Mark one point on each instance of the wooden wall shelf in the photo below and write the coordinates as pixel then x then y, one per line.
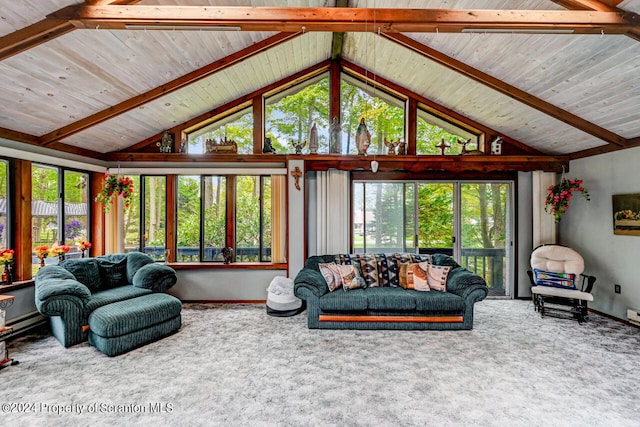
pixel 322 162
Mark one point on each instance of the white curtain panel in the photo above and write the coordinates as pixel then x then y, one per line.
pixel 545 230
pixel 332 201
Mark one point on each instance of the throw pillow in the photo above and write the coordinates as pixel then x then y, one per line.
pixel 86 271
pixel 331 275
pixel 413 276
pixel 556 280
pixel 113 270
pixel 437 277
pixel 369 267
pixel 350 278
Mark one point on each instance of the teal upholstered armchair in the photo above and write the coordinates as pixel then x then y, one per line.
pixel 67 293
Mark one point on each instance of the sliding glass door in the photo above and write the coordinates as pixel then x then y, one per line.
pixel 485 215
pixel 470 221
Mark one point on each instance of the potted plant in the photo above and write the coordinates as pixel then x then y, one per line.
pixel 559 196
pixel 113 188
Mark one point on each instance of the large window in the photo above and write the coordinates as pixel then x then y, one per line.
pixel 59 208
pixel 4 204
pixel 383 114
pixel 147 212
pixel 206 208
pixel 291 114
pixel 236 127
pixel 253 218
pixel 437 135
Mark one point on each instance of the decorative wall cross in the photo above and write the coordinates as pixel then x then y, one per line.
pixel 297 173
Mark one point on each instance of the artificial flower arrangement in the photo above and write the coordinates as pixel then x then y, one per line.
pixel 114 187
pixel 83 245
pixel 59 251
pixel 559 195
pixel 41 253
pixel 7 258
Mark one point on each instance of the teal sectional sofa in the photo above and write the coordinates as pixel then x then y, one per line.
pixel 389 306
pixel 69 292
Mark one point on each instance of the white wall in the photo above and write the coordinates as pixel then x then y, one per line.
pixel 223 284
pixel 588 228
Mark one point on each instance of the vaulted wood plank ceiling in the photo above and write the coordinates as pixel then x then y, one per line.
pixel 72 78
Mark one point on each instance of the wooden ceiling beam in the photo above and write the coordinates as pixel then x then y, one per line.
pixel 507 89
pixel 332 19
pixel 34 140
pixel 166 88
pixel 41 32
pixel 338 38
pixel 601 6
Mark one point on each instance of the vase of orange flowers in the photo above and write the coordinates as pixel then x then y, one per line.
pixel 115 187
pixel 60 251
pixel 41 253
pixel 7 258
pixel 83 246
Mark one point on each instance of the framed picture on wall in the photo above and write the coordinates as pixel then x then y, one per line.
pixel 626 214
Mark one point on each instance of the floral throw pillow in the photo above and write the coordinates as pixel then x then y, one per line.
pixel 331 275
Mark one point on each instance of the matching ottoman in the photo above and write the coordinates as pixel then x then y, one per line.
pixel 122 326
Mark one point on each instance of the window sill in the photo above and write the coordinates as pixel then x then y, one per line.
pixel 232 266
pixel 16 285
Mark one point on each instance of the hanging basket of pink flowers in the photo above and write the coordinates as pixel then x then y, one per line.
pixel 115 187
pixel 559 196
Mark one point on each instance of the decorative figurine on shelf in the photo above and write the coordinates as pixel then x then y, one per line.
pixel 443 146
pixel 402 148
pixel 466 151
pixel 7 258
pixel 391 146
pixel 41 253
pixel 225 145
pixel 335 132
pixel 183 145
pixel 363 138
pixel 313 140
pixel 268 148
pixel 227 254
pixel 83 246
pixel 298 146
pixel 496 146
pixel 166 143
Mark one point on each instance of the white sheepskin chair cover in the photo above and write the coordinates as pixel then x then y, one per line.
pixel 557 259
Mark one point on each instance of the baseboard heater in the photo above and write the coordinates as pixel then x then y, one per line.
pixel 26 322
pixel 389 319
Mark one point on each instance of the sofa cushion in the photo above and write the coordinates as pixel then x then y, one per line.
pixel 390 299
pixel 86 271
pixel 113 270
pixel 154 276
pixel 369 267
pixel 437 302
pixel 354 300
pixel 108 296
pixel 135 261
